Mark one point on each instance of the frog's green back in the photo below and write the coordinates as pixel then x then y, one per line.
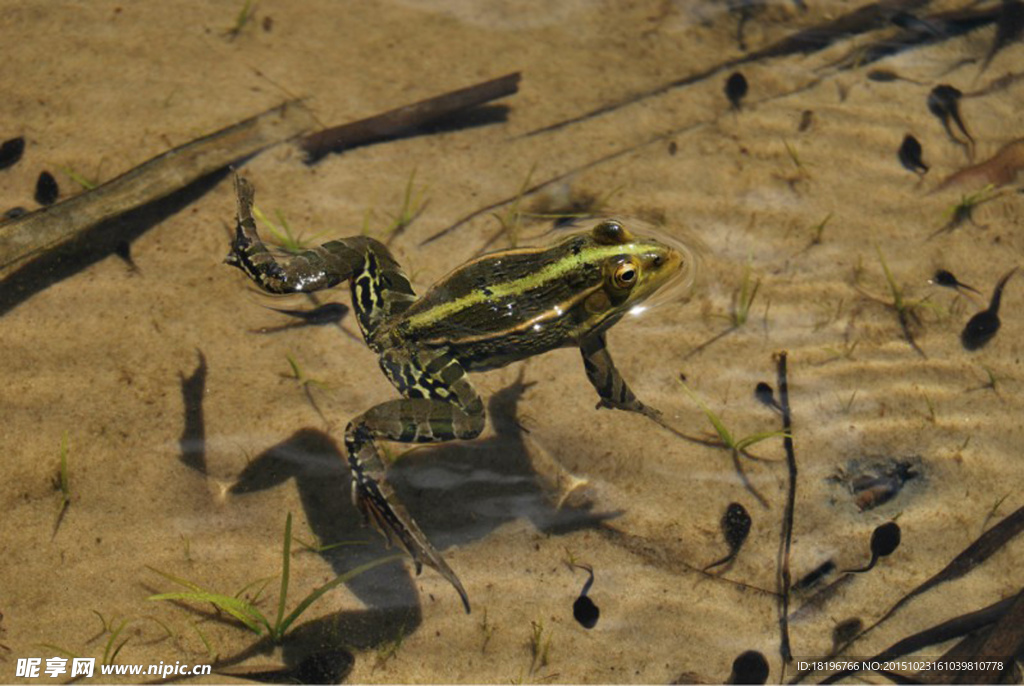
pixel 513 304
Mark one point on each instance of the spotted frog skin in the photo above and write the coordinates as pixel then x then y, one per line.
pixel 491 311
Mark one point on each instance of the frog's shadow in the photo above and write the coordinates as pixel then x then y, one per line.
pixel 457 492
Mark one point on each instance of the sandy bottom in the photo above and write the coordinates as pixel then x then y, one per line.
pixel 126 361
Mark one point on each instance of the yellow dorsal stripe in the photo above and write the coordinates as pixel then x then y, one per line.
pixel 555 270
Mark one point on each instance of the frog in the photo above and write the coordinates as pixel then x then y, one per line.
pixel 493 310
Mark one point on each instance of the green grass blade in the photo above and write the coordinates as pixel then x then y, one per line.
pixel 285 568
pixel 176 579
pixel 897 295
pixel 748 441
pixel 239 609
pixel 108 656
pixel 315 595
pixel 723 432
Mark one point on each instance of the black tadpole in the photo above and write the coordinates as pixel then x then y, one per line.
pixel 749 667
pixel 10 151
pixel 765 395
pixel 47 190
pixel 735 527
pixel 736 88
pixel 944 103
pixel 885 539
pixel 984 325
pixel 946 278
pixel 910 155
pixel 584 609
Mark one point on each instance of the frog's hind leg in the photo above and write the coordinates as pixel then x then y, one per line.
pixel 439 405
pixel 379 287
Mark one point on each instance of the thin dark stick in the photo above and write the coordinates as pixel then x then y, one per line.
pixel 973 555
pixel 784 577
pixel 403 119
pixel 158 177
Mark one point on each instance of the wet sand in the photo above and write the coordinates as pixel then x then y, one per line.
pixel 126 360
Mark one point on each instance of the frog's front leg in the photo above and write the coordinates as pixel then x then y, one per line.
pixel 440 405
pixel 610 385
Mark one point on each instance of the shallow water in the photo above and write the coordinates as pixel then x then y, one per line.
pixel 190 440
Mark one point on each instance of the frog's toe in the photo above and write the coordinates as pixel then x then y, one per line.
pixel 394 523
pixel 633 405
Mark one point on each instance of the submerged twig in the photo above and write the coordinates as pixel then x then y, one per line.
pixel 973 555
pixel 49 227
pixel 403 119
pixel 784 578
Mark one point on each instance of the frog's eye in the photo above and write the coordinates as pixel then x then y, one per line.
pixel 611 232
pixel 625 274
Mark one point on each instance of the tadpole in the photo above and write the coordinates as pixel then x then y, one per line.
pixel 944 103
pixel 47 190
pixel 765 395
pixel 10 151
pixel 584 609
pixel 735 527
pixel 846 631
pixel 946 278
pixel 885 539
pixel 984 325
pixel 750 667
pixel 736 88
pixel 910 155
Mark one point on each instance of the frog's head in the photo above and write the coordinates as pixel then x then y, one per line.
pixel 632 269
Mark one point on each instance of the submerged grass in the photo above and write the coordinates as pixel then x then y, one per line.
pixel 281 230
pixel 63 483
pixel 246 611
pixel 906 312
pixel 735 446
pixel 413 204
